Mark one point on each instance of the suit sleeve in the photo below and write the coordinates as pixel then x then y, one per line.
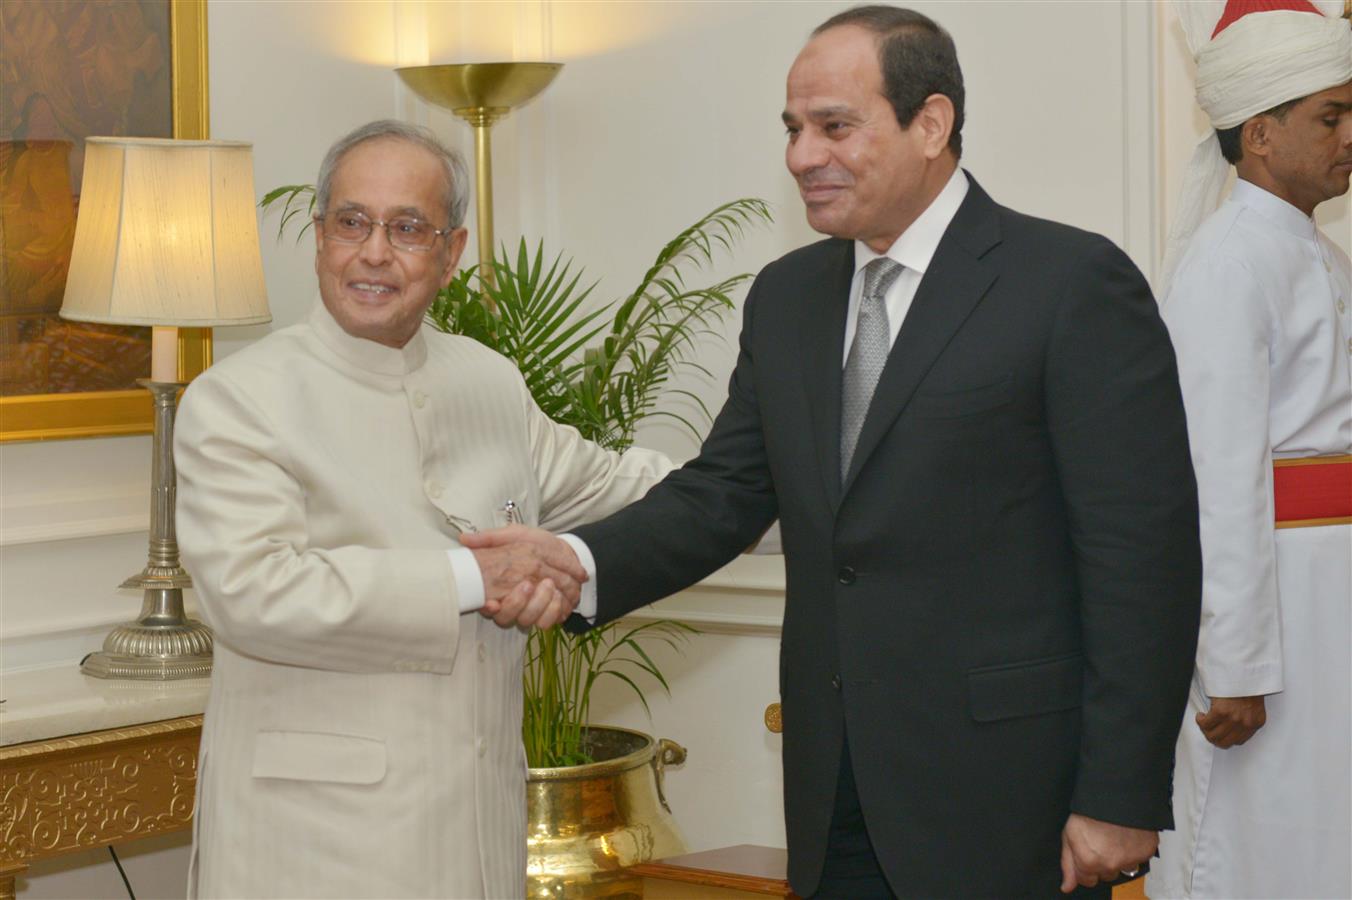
pixel 1222 328
pixel 701 516
pixel 241 518
pixel 1120 445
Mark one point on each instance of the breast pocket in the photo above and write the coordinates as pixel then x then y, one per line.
pixel 959 402
pixel 318 756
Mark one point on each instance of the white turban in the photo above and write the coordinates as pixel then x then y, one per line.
pixel 1258 61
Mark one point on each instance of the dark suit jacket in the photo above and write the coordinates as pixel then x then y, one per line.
pixel 1001 603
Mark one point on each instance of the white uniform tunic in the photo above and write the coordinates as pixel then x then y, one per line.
pixel 363 738
pixel 1259 315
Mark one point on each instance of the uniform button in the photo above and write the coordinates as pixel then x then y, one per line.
pixel 835 683
pixel 482 746
pixel 434 489
pixel 1349 345
pixel 1342 305
pixel 419 399
pixel 846 575
pixel 483 653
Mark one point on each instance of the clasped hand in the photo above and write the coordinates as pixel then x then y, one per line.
pixel 530 576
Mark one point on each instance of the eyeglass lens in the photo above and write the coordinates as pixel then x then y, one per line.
pixel 405 232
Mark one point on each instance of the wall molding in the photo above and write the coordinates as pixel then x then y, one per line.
pixel 61 515
pixel 745 597
pixel 1141 151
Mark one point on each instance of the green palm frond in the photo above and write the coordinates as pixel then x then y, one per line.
pixel 295 200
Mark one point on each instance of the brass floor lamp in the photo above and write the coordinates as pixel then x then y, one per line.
pixel 481 94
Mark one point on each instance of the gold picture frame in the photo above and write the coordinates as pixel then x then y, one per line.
pixel 40 417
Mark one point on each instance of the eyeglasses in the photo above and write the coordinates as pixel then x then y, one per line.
pixel 349 226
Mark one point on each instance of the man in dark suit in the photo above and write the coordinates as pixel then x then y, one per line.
pixel 993 571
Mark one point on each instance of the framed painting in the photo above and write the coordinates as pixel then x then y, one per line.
pixel 74 69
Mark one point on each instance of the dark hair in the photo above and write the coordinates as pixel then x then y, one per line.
pixel 917 59
pixel 1232 144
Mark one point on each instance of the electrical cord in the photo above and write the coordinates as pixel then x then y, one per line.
pixel 117 862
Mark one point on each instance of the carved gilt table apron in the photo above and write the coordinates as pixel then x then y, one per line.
pixel 87 763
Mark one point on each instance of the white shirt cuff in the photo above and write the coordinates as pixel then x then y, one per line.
pixel 586 604
pixel 469 581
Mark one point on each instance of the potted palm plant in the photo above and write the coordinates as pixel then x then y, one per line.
pixel 602 369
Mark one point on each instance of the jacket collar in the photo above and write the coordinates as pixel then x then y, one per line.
pixel 1274 209
pixel 364 354
pixel 958 277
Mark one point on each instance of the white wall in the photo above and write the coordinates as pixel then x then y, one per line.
pixel 1079 111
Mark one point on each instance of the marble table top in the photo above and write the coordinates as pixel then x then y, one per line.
pixel 52 702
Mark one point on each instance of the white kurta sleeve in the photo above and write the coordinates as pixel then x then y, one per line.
pixel 267 592
pixel 1221 326
pixel 579 481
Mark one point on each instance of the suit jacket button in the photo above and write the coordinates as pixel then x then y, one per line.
pixel 835 683
pixel 846 575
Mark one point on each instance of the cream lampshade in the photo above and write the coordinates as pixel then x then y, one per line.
pixel 167 237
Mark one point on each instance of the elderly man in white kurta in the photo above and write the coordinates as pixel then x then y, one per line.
pixel 1258 309
pixel 363 733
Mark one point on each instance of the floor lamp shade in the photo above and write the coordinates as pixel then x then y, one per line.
pixel 167 235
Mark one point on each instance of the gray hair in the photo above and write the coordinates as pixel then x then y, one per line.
pixel 457 174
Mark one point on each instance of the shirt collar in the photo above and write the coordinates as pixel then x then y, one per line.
pixel 1273 208
pixel 914 247
pixel 364 354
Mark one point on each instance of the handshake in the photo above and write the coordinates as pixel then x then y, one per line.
pixel 531 577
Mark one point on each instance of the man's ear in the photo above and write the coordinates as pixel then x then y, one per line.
pixel 319 244
pixel 935 120
pixel 1254 136
pixel 455 246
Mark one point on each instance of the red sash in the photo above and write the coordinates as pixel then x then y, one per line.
pixel 1315 490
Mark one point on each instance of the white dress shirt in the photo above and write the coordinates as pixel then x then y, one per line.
pixel 913 249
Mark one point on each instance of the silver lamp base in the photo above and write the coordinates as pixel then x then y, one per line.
pixel 154 648
pixel 163 644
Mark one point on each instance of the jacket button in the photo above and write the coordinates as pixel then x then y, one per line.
pixel 835 683
pixel 846 575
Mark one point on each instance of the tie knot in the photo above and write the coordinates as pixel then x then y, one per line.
pixel 879 275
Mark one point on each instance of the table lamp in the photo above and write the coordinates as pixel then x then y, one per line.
pixel 166 237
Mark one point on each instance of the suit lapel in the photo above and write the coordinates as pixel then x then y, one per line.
pixel 822 341
pixel 954 283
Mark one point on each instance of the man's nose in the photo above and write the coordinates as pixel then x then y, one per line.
pixel 805 153
pixel 376 249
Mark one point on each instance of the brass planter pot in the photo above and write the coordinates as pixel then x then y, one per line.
pixel 586 824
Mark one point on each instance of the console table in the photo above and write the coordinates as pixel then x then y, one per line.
pixel 87 762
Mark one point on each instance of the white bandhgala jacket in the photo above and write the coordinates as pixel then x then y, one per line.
pixel 362 737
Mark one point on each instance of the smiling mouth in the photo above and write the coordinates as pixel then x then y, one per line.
pixel 374 290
